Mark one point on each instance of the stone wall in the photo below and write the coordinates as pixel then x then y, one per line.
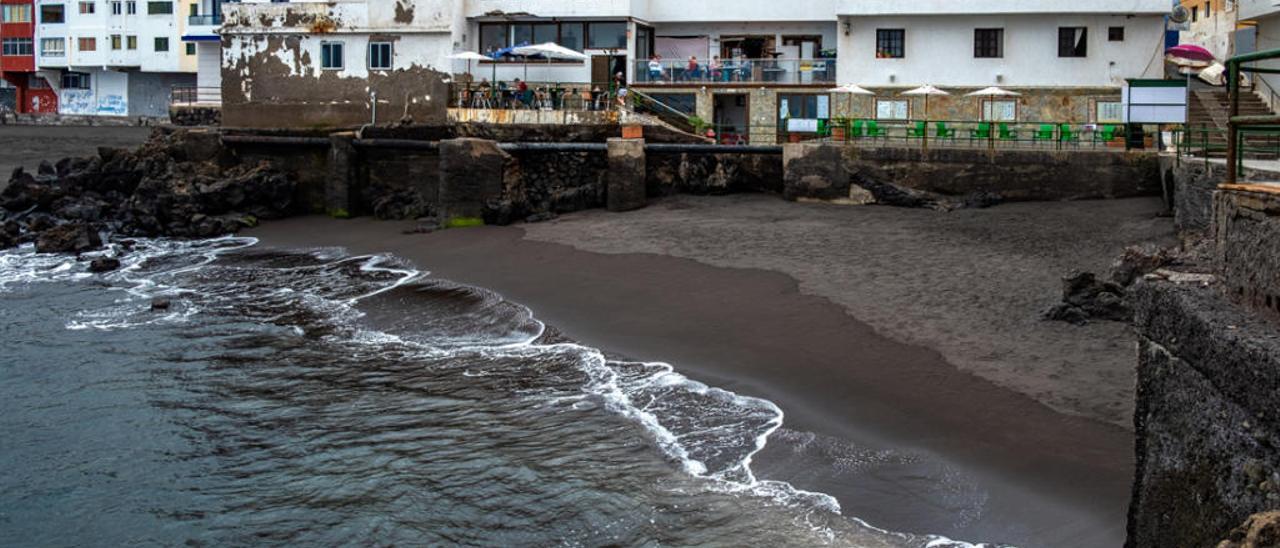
pixel 1009 174
pixel 1191 183
pixel 673 173
pixel 1246 232
pixel 195 115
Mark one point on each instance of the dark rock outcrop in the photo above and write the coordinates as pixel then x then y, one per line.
pixel 1259 531
pixel 68 238
pixel 180 183
pixel 104 264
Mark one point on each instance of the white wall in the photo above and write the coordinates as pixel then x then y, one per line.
pixel 108 95
pixel 209 71
pixel 939 51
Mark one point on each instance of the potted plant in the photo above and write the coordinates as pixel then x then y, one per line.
pixel 839 129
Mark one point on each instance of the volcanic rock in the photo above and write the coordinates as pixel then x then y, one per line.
pixel 68 238
pixel 104 264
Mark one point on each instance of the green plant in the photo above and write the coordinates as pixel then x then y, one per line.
pixel 464 222
pixel 699 125
pixel 339 213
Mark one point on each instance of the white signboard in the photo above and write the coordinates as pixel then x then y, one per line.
pixel 802 125
pixel 1161 104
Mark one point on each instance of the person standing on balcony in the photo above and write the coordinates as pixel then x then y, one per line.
pixel 655 68
pixel 692 71
pixel 716 67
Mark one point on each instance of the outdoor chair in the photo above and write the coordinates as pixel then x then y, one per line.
pixel 1105 134
pixel 874 129
pixel 943 132
pixel 1045 133
pixel 983 131
pixel 1007 134
pixel 917 131
pixel 1066 135
pixel 855 130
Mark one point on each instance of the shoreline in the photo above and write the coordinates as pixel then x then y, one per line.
pixel 1032 474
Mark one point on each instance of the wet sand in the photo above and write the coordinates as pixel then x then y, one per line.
pixel 25 146
pixel 903 435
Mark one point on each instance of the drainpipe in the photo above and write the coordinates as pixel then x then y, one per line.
pixel 373 99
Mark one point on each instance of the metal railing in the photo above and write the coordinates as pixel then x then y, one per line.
pixel 192 95
pixel 204 20
pixel 730 71
pixel 1240 127
pixel 536 96
pixel 968 134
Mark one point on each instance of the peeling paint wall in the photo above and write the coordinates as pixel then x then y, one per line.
pixel 272 73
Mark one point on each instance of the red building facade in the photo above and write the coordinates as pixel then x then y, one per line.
pixel 18 58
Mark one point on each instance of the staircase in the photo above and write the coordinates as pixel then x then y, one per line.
pixel 644 103
pixel 1209 110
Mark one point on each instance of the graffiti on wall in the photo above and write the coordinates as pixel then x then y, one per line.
pixel 78 101
pixel 113 105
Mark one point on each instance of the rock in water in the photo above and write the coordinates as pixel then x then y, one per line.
pixel 160 303
pixel 104 264
pixel 7 241
pixel 1259 531
pixel 68 238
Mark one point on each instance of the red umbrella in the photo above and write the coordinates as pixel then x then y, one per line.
pixel 1190 51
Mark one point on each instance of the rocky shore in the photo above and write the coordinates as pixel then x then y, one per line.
pixel 180 183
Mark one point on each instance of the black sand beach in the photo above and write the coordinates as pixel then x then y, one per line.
pixel 865 413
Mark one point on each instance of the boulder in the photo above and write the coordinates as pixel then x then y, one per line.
pixel 160 303
pixel 68 238
pixel 1137 261
pixel 7 240
pixel 1259 531
pixel 104 264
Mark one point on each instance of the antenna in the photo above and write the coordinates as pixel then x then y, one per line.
pixel 1180 14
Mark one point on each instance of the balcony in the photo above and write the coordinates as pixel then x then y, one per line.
pixel 775 72
pixel 202 27
pixel 204 20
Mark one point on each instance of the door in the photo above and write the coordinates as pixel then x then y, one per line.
pixel 730 118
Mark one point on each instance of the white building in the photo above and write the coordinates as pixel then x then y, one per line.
pixel 756 62
pixel 114 57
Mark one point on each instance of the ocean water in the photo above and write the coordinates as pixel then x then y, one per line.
pixel 318 398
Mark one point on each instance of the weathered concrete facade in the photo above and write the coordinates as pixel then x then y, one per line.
pixel 314 65
pixel 830 171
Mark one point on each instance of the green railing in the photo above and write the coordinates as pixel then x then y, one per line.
pixel 975 134
pixel 1241 128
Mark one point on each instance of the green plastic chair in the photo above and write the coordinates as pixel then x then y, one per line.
pixel 943 132
pixel 1006 134
pixel 1105 134
pixel 1045 133
pixel 917 131
pixel 874 129
pixel 983 131
pixel 855 131
pixel 1066 135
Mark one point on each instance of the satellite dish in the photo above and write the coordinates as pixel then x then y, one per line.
pixel 1180 14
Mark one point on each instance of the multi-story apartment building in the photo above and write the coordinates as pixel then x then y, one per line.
pixel 748 66
pixel 114 57
pixel 30 93
pixel 203 20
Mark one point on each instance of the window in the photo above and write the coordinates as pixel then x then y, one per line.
pixel 191 48
pixel 893 109
pixel 1195 13
pixel 115 41
pixel 999 110
pixel 75 80
pixel 379 55
pixel 88 8
pixel 521 34
pixel 16 13
pixel 131 42
pixel 492 38
pixel 117 8
pixel 16 46
pixel 1115 34
pixel 53 47
pixel 890 43
pixel 193 10
pixel 1109 112
pixel 131 7
pixel 988 43
pixel 571 36
pixel 331 55
pixel 607 35
pixel 88 44
pixel 52 13
pixel 1073 42
pixel 686 103
pixel 159 8
pixel 162 44
pixel 36 82
pixel 794 105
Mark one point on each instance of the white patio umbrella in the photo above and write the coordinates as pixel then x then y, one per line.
pixel 925 90
pixel 470 56
pixel 991 92
pixel 851 89
pixel 550 50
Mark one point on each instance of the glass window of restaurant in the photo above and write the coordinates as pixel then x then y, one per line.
pixel 808 106
pixel 611 35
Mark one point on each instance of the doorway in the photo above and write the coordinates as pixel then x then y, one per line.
pixel 603 67
pixel 731 118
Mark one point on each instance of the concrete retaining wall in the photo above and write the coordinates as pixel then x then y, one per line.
pixel 826 171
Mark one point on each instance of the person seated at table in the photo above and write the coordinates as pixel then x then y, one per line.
pixel 522 92
pixel 716 67
pixel 655 69
pixel 692 70
pixel 744 70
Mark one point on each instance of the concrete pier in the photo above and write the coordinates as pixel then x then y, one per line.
pixel 471 173
pixel 626 182
pixel 342 176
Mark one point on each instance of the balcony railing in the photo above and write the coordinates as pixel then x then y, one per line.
pixel 204 20
pixel 730 71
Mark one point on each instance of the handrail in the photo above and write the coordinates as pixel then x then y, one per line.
pixel 685 117
pixel 1235 122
